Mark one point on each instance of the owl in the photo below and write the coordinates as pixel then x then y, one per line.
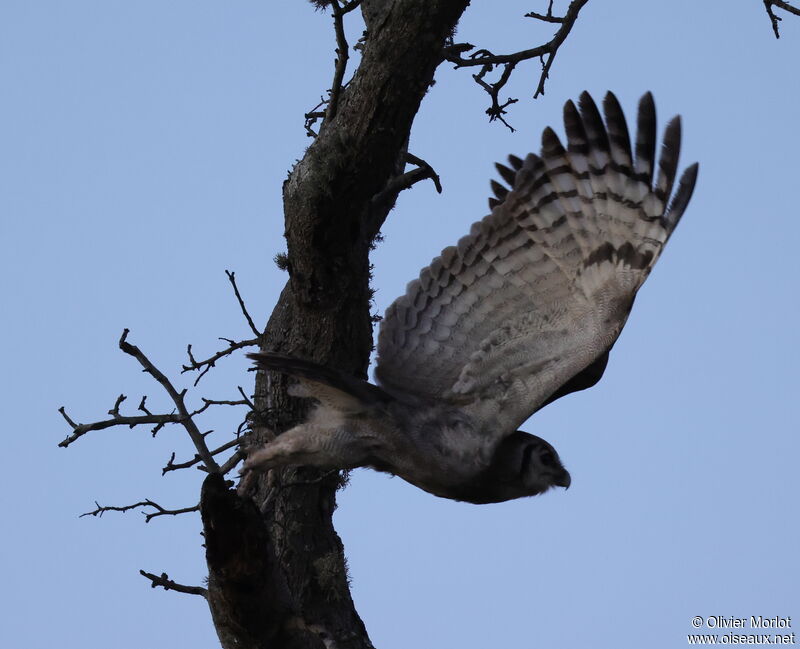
pixel 522 311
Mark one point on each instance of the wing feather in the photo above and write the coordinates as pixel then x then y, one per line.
pixel 525 308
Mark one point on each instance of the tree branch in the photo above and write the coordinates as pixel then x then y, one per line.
pixel 487 60
pixel 232 279
pixel 177 398
pixel 232 462
pixel 159 510
pixel 78 430
pixel 404 181
pixel 342 56
pixel 312 116
pixel 173 466
pixel 775 19
pixel 205 365
pixel 167 584
pixel 208 363
pixel 426 169
pixel 245 398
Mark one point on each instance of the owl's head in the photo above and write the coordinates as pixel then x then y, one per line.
pixel 526 465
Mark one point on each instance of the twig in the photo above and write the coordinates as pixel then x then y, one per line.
pixel 312 116
pixel 232 462
pixel 388 195
pixel 177 398
pixel 342 56
pixel 159 510
pixel 497 110
pixel 487 60
pixel 167 584
pixel 427 170
pixel 78 430
pixel 173 466
pixel 544 18
pixel 232 279
pixel 216 402
pixel 207 403
pixel 245 398
pixel 205 365
pixel 548 17
pixel 406 180
pixel 769 4
pixel 208 363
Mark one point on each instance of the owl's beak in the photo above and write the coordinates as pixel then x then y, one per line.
pixel 564 480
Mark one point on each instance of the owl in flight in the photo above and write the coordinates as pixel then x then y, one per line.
pixel 522 311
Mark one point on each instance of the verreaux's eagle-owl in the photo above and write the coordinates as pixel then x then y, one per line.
pixel 523 310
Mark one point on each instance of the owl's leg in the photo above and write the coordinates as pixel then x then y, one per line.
pixel 313 445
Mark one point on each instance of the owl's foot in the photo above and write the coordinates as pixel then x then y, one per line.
pixel 265 458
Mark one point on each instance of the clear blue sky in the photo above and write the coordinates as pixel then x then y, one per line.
pixel 142 150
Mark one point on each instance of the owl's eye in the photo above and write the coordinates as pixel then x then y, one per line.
pixel 547 458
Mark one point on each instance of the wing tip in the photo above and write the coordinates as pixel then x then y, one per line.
pixel 683 195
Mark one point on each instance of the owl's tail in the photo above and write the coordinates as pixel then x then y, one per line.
pixel 331 387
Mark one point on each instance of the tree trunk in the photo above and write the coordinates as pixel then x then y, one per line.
pixel 277 574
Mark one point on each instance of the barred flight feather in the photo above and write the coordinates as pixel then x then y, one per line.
pixel 532 299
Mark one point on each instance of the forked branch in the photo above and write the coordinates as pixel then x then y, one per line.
pixel 175 466
pixel 205 365
pixel 181 416
pixel 770 6
pixel 487 60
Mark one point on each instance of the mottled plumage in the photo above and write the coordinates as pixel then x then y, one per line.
pixel 523 310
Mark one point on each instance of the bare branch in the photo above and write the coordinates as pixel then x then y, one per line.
pixel 245 398
pixel 173 466
pixel 208 363
pixel 177 398
pixel 78 430
pixel 312 116
pixel 232 462
pixel 780 4
pixel 406 181
pixel 114 412
pixel 497 110
pixel 544 17
pixel 427 170
pixel 159 510
pixel 232 279
pixel 548 17
pixel 487 60
pixel 142 407
pixel 233 345
pixel 342 56
pixel 167 584
pixel 214 402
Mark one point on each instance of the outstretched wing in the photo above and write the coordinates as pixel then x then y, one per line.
pixel 525 308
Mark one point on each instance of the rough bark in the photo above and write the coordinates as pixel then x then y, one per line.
pixel 277 574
